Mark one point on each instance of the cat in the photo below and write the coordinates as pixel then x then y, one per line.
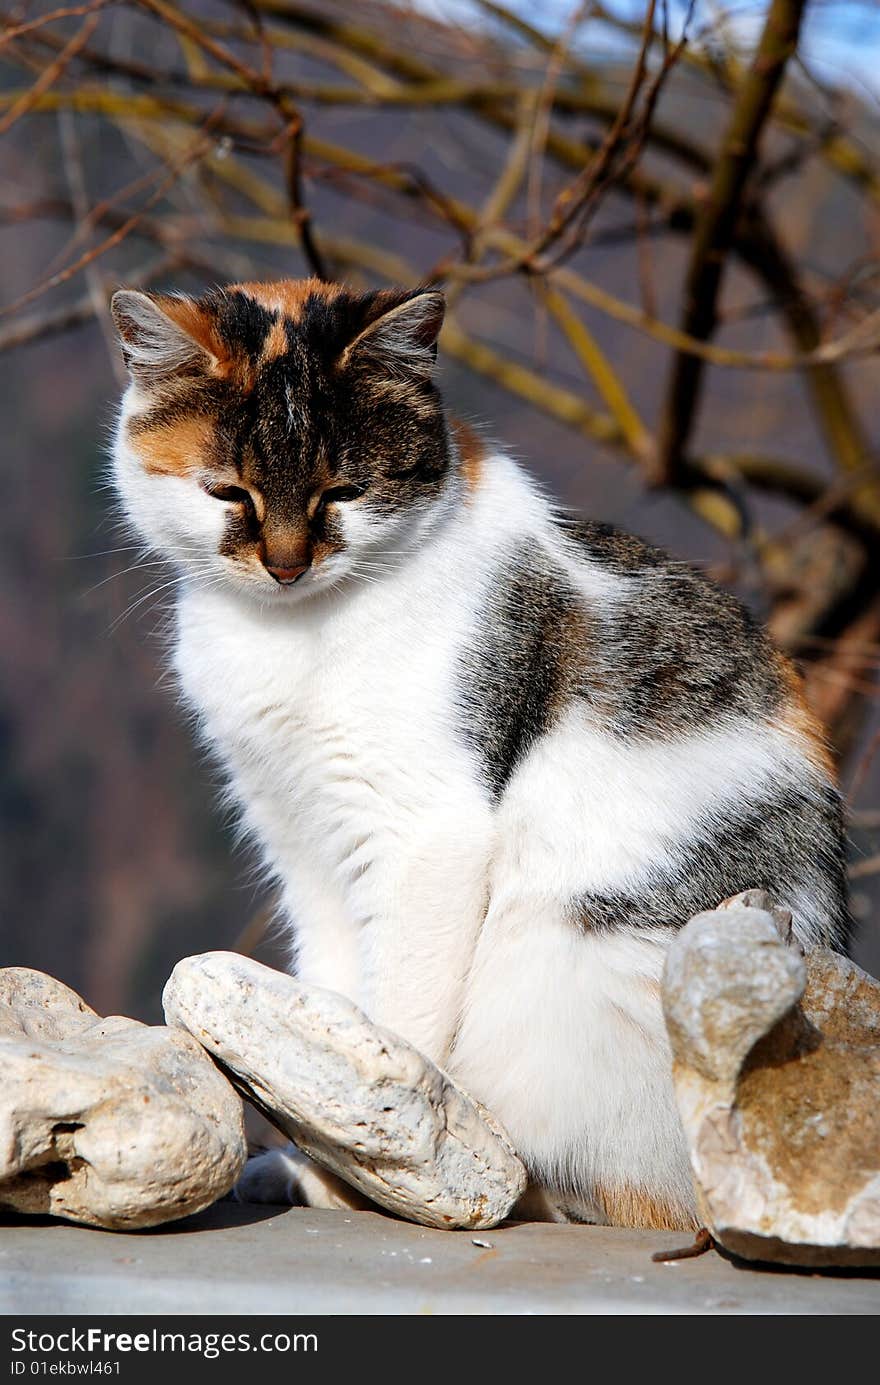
pixel 494 756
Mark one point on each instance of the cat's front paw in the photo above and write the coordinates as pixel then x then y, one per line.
pixel 288 1178
pixel 273 1177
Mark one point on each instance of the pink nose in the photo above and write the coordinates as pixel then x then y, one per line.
pixel 287 575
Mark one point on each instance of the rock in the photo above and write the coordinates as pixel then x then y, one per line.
pixel 776 1063
pixel 357 1099
pixel 107 1121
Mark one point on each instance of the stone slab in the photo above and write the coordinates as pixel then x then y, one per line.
pixel 356 1098
pixel 107 1121
pixel 776 1065
pixel 234 1259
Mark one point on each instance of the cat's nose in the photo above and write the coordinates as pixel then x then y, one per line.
pixel 286 575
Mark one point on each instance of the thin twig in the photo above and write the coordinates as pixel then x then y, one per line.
pixel 75 175
pixel 715 230
pixel 116 237
pixel 49 76
pixel 703 1241
pixel 17 31
pixel 38 326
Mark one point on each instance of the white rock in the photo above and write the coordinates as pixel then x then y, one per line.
pixel 107 1121
pixel 776 1063
pixel 358 1099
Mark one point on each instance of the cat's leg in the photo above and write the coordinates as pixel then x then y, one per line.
pixel 562 1038
pixel 325 944
pixel 425 909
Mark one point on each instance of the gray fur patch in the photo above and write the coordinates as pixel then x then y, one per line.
pixel 680 654
pixel 790 844
pixel 520 665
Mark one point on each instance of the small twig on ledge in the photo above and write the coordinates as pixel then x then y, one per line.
pixel 702 1242
pixel 255 930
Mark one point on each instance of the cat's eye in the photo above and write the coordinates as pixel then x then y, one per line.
pixel 233 495
pixel 339 494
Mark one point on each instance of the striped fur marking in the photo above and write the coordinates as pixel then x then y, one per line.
pixel 289 297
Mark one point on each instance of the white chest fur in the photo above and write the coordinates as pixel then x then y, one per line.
pixel 323 716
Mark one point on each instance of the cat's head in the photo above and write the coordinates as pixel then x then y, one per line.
pixel 281 437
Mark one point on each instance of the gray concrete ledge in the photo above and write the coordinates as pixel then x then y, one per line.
pixel 254 1260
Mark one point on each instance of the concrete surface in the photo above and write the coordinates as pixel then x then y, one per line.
pixel 235 1259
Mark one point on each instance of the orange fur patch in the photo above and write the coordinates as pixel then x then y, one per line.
pixel 322 481
pixel 472 452
pixel 287 296
pixel 634 1207
pixel 275 344
pixel 174 449
pixel 197 324
pixel 797 717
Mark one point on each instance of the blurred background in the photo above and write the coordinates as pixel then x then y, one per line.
pixel 659 230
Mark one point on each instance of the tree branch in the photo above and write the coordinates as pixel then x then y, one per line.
pixel 716 226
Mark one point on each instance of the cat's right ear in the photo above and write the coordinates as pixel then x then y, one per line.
pixel 401 338
pixel 163 335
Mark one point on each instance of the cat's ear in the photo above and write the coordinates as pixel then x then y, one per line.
pixel 163 335
pixel 401 340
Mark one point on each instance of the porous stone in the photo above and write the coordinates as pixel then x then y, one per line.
pixel 358 1099
pixel 107 1121
pixel 776 1063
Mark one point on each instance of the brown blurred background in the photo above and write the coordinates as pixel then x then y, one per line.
pixel 198 143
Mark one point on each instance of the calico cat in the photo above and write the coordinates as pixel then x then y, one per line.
pixel 494 757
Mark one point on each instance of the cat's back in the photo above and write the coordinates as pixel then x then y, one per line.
pixel 666 739
pixel 581 613
pixel 674 653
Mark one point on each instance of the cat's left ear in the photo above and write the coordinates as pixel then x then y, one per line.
pixel 402 340
pixel 164 335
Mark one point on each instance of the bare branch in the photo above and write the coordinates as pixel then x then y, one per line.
pixel 715 230
pixel 49 76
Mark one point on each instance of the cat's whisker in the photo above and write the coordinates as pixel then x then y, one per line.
pixel 105 553
pixel 373 565
pixel 201 564
pixel 366 572
pixel 123 572
pixel 356 574
pixel 146 596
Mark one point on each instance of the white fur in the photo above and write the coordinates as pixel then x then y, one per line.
pixel 445 918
